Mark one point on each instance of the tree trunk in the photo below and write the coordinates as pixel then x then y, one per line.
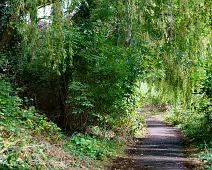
pixel 6 37
pixel 6 32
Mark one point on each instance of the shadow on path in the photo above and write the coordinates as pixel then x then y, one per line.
pixel 160 150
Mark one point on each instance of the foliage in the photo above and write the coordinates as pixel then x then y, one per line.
pixel 82 62
pixel 178 62
pixel 206 157
pixel 19 127
pixel 93 147
pixel 83 53
pixel 79 98
pixel 195 125
pixel 29 141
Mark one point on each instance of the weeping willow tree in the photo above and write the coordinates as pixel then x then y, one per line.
pixel 178 63
pixel 90 53
pixel 179 33
pixel 75 58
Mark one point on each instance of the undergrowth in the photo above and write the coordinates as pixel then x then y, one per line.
pixel 194 124
pixel 29 140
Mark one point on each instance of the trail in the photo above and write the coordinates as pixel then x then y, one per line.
pixel 160 150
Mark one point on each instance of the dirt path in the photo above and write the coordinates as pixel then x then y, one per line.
pixel 160 150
